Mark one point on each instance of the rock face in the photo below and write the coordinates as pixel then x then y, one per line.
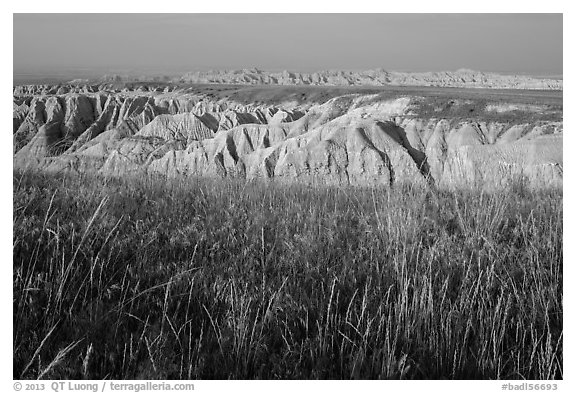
pixel 460 78
pixel 357 139
pixel 378 77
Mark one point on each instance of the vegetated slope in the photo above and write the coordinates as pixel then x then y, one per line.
pixel 352 138
pixel 143 278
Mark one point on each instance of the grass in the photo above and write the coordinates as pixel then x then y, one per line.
pixel 198 278
pixel 459 104
pixel 475 109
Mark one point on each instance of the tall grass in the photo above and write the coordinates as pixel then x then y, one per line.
pixel 198 278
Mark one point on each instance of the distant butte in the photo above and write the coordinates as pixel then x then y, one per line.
pixel 464 78
pixel 379 77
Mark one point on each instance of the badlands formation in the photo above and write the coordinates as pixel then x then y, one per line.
pixel 379 77
pixel 315 135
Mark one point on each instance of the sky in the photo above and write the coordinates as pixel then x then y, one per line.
pixel 175 43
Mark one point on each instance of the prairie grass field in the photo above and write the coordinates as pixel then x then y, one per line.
pixel 191 278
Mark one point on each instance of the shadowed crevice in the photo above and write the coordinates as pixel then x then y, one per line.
pixel 419 157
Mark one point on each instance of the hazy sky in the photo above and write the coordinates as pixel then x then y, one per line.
pixel 524 43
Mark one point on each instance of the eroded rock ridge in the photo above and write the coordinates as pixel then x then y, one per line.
pixel 355 138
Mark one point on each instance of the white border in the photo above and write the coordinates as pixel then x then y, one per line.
pixel 358 6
